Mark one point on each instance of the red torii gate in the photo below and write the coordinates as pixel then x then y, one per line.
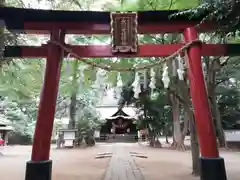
pixel 59 23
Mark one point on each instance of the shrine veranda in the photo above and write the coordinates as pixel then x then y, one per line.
pixel 121 26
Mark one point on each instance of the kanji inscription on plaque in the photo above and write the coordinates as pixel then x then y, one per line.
pixel 124 32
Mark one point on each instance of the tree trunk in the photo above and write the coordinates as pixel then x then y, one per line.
pixel 185 125
pixel 194 149
pixel 189 124
pixel 166 139
pixel 151 138
pixel 178 142
pixel 72 111
pixel 2 38
pixel 194 143
pixel 145 84
pixel 219 129
pixel 73 99
pixel 211 87
pixel 166 133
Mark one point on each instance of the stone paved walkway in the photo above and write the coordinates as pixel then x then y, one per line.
pixel 122 166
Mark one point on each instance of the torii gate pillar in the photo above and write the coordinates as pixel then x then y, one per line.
pixel 212 166
pixel 40 167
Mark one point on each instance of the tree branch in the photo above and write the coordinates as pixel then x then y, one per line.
pixel 173 92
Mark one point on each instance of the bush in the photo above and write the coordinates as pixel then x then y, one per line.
pixel 19 138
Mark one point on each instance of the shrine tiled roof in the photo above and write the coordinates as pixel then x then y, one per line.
pixel 108 112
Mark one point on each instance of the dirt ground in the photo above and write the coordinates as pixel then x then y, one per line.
pixel 68 164
pixel 163 164
pixel 80 164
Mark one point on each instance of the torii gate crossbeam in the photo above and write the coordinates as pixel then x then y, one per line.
pixel 59 23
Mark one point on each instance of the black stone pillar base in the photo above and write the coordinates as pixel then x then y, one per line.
pixel 213 169
pixel 39 170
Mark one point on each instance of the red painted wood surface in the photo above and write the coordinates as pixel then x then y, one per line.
pixel 202 113
pixel 146 50
pixel 46 110
pixel 89 29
